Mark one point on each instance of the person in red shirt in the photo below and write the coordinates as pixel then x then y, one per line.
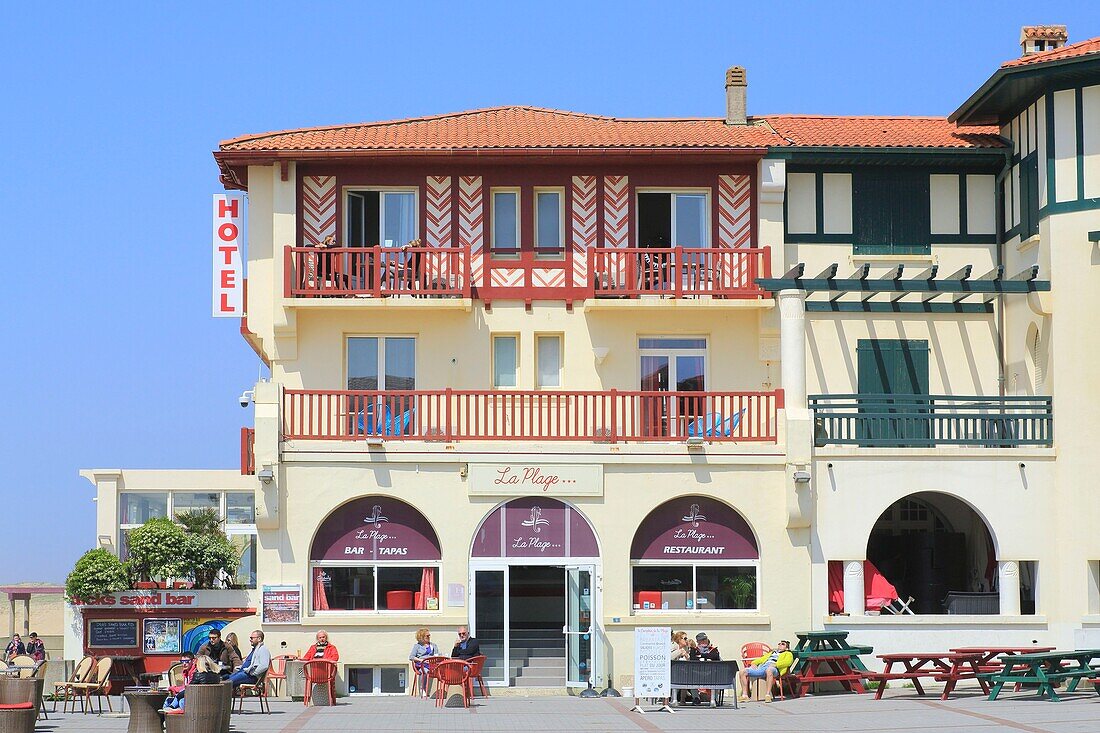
pixel 322 649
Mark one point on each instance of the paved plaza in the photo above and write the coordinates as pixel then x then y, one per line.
pixel 900 710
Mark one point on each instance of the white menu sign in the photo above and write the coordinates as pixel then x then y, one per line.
pixel 652 663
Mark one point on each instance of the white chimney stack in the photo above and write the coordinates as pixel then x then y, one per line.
pixel 1039 38
pixel 736 86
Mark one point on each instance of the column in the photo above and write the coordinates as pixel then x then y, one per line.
pixel 855 599
pixel 792 347
pixel 27 616
pixel 11 618
pixel 1008 577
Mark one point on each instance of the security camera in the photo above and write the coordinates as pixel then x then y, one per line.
pixel 246 398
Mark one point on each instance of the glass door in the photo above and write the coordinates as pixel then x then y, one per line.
pixel 671 365
pixel 579 636
pixel 489 614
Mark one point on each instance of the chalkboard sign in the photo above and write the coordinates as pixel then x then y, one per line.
pixel 112 634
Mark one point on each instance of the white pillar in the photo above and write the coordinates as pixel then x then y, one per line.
pixel 792 347
pixel 1008 576
pixel 855 599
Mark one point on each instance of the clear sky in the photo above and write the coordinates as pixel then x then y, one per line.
pixel 109 355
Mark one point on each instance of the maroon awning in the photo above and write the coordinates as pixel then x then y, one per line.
pixel 535 527
pixel 375 528
pixel 694 528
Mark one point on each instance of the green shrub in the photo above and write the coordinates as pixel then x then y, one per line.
pixel 157 550
pixel 96 574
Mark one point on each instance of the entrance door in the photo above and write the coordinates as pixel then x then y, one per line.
pixel 489 614
pixel 579 632
pixel 893 382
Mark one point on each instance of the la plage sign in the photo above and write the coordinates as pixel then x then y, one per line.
pixel 526 479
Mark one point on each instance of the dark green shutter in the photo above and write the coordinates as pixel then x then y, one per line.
pixel 892 367
pixel 891 211
pixel 1029 196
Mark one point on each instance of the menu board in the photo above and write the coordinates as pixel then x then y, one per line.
pixel 652 663
pixel 104 634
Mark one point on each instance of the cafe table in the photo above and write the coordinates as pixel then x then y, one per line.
pixel 1046 669
pixel 145 705
pixel 948 668
pixel 826 656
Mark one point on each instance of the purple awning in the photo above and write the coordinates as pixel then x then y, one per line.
pixel 694 528
pixel 375 528
pixel 535 527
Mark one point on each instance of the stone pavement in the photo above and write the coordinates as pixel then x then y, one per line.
pixel 901 711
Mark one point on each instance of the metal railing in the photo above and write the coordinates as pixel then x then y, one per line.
pixel 610 416
pixel 678 271
pixel 924 421
pixel 377 271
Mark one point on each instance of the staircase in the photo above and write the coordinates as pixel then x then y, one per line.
pixel 537 658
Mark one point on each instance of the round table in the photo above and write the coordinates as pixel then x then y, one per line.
pixel 145 711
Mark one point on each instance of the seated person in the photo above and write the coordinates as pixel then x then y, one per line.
pixel 769 667
pixel 255 664
pixel 682 649
pixel 466 646
pixel 704 650
pixel 187 662
pixel 421 650
pixel 322 649
pixel 205 673
pixel 215 648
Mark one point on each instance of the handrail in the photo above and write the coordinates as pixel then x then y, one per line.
pixel 599 416
pixel 678 271
pixel 377 271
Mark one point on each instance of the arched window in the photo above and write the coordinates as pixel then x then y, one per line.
pixel 375 554
pixel 694 553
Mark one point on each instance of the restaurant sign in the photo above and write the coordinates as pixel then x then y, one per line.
pixel 147 600
pixel 694 528
pixel 527 479
pixel 375 528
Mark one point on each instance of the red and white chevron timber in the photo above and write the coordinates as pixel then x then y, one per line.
pixel 471 225
pixel 547 278
pixel 500 277
pixel 318 208
pixel 438 208
pixel 583 225
pixel 616 211
pixel 735 228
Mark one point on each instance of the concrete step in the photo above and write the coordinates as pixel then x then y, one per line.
pixel 547 681
pixel 546 663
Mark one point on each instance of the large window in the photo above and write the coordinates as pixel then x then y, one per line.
pixel 505 221
pixel 237 510
pixel 673 364
pixel 381 362
pixel 371 587
pixel 700 587
pixel 672 219
pixel 549 356
pixel 549 222
pixel 505 360
pixel 381 217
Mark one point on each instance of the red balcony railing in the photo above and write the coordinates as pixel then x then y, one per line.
pixel 678 271
pixel 611 416
pixel 377 271
pixel 248 452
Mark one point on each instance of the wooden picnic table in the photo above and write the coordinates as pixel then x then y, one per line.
pixel 1046 669
pixel 989 662
pixel 826 656
pixel 948 668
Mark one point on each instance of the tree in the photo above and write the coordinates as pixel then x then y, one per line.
pixel 206 549
pixel 96 574
pixel 157 550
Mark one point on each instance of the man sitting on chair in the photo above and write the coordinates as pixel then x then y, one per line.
pixel 255 664
pixel 769 667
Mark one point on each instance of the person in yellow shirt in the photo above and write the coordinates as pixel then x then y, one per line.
pixel 769 667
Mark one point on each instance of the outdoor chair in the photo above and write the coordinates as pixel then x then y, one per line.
pixel 420 680
pixel 23 661
pixel 754 650
pixel 320 672
pixel 450 673
pixel 206 709
pixel 258 691
pixel 477 664
pixel 901 608
pixel 276 672
pixel 175 675
pixel 17 717
pixel 39 673
pixel 98 685
pixel 427 669
pixel 81 673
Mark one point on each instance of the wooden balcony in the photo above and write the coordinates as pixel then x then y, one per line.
pixel 926 421
pixel 376 272
pixel 456 415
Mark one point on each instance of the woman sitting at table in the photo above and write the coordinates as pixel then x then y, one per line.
pixel 234 645
pixel 422 649
pixel 205 673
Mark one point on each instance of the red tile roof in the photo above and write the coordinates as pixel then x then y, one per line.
pixel 1073 50
pixel 881 132
pixel 512 128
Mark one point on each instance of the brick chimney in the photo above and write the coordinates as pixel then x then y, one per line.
pixel 736 86
pixel 1038 38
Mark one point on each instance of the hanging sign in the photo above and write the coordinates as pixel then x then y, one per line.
pixel 228 256
pixel 652 663
pixel 528 479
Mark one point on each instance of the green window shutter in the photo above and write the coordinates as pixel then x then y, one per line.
pixel 892 367
pixel 891 211
pixel 1029 195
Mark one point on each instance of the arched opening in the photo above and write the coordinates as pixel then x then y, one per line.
pixel 375 554
pixel 694 553
pixel 937 549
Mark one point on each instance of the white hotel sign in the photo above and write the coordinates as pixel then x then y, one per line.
pixel 228 256
pixel 530 479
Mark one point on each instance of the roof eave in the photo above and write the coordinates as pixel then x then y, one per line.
pixel 970 112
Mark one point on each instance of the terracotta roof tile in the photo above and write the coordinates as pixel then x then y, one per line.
pixel 882 132
pixel 511 128
pixel 1081 48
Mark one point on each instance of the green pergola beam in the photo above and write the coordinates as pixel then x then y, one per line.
pixel 862 306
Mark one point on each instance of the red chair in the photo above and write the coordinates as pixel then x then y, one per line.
pixel 320 672
pixel 399 600
pixel 477 664
pixel 427 669
pixel 276 672
pixel 449 673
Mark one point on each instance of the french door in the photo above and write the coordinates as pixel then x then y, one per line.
pixel 489 621
pixel 579 632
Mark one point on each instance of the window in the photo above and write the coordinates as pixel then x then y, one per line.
pixel 673 364
pixel 381 218
pixel 381 363
pixel 699 586
pixel 505 360
pixel 237 510
pixel 376 680
pixel 672 220
pixel 380 587
pixel 505 222
pixel 549 222
pixel 549 361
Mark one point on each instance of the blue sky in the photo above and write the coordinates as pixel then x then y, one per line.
pixel 111 358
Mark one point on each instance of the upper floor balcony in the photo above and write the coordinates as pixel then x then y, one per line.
pixel 609 416
pixel 454 272
pixel 929 421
